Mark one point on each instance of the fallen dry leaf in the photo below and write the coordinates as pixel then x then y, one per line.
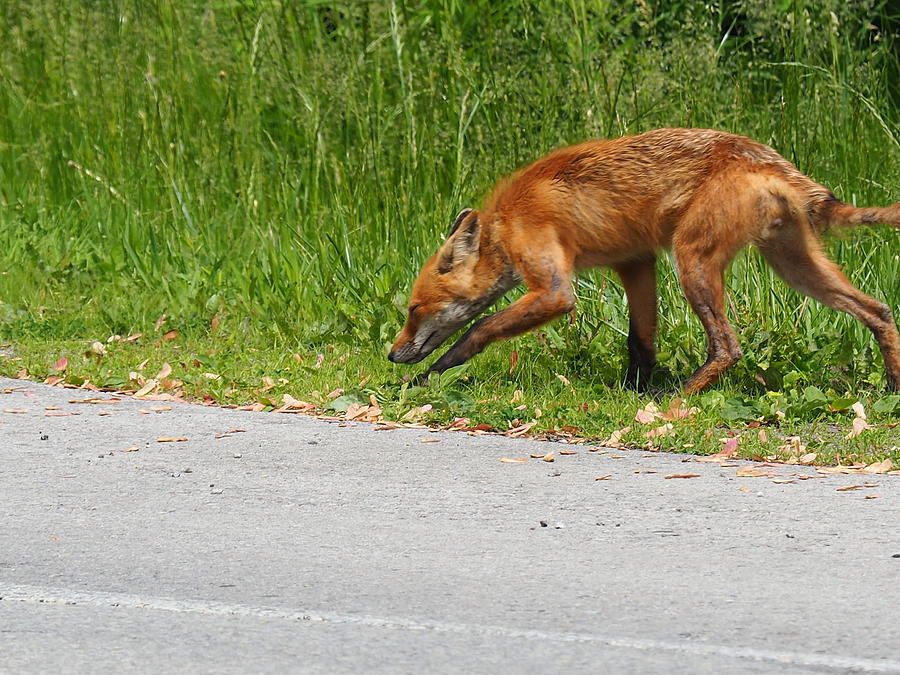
pixel 664 430
pixel 568 452
pixel 847 488
pixel 604 477
pixel 429 440
pixel 549 457
pixel 859 410
pixel 161 408
pixel 683 475
pixel 676 411
pixel 750 472
pixel 61 364
pixel 871 496
pixel 879 467
pixel 133 448
pixel 170 439
pixel 510 460
pixel 857 427
pixel 744 488
pixel 563 379
pixel 520 430
pixel 513 360
pixel 15 411
pixel 164 372
pixel 170 335
pixel 146 389
pixel 727 452
pixel 60 414
pixel 647 414
pixel 840 468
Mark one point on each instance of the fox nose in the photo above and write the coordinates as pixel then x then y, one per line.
pixel 392 357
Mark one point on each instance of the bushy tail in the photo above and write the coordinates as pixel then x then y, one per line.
pixel 835 213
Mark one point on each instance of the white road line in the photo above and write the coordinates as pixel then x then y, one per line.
pixel 40 594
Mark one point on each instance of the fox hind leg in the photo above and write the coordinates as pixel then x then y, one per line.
pixel 796 255
pixel 639 280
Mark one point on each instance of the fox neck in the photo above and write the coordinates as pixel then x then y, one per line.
pixel 494 267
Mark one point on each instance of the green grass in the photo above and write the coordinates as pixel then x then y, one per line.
pixel 282 169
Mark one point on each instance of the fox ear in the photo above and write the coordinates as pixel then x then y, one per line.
pixel 459 218
pixel 463 242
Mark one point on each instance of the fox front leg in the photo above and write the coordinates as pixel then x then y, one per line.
pixel 536 307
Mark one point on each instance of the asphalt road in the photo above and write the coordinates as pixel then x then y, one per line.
pixel 302 546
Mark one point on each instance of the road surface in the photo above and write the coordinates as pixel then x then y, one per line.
pixel 303 546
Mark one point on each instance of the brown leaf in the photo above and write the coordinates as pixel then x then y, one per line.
pixel 879 467
pixel 563 379
pixel 750 472
pixel 170 439
pixel 549 457
pixel 15 411
pixel 146 389
pixel 53 380
pixel 61 364
pixel 604 477
pixel 429 440
pixel 647 414
pixel 520 430
pixel 480 427
pixel 683 475
pixel 170 335
pixel 568 452
pixel 614 439
pixel 509 460
pixel 513 360
pixel 160 321
pixel 133 448
pixel 664 430
pixel 164 372
pixel 847 488
pixel 859 425
pixel 676 411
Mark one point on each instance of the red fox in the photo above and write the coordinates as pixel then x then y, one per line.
pixel 705 194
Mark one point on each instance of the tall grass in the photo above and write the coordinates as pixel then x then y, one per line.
pixel 288 165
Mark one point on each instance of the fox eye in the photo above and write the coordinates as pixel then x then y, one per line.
pixel 413 308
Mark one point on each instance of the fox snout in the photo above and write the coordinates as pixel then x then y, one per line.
pixel 416 342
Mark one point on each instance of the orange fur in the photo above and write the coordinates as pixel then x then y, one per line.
pixel 705 194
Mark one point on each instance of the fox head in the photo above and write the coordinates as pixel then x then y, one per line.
pixel 453 287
